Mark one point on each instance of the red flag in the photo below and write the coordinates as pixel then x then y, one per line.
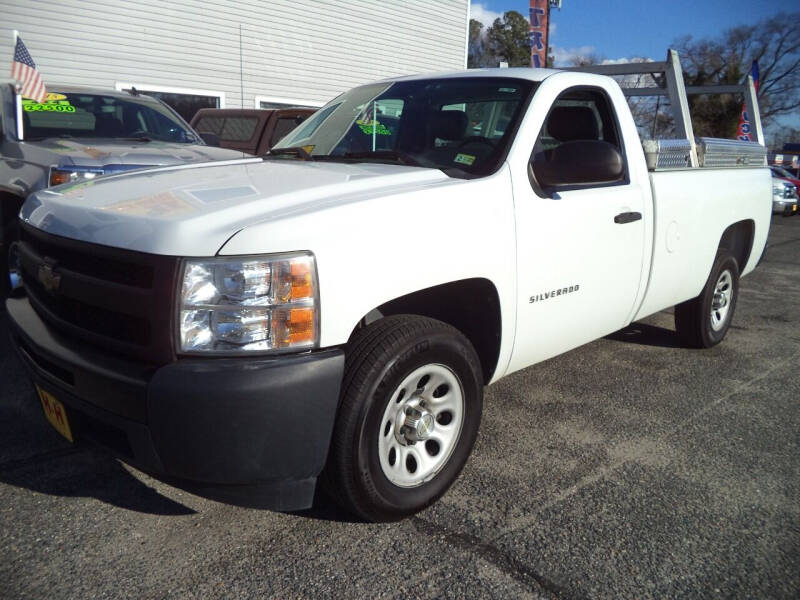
pixel 24 70
pixel 744 120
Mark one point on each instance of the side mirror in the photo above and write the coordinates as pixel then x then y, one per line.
pixel 212 139
pixel 579 162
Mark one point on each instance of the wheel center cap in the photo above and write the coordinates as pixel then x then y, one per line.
pixel 719 301
pixel 418 425
pixel 425 426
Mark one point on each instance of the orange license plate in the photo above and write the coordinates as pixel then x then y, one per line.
pixel 55 413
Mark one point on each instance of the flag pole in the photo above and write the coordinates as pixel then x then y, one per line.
pixel 17 96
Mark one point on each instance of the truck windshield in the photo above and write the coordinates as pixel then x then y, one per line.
pixel 84 115
pixel 463 126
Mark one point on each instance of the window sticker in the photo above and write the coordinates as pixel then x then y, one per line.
pixel 371 126
pixel 53 103
pixel 464 159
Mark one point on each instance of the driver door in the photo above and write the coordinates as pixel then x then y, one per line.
pixel 580 246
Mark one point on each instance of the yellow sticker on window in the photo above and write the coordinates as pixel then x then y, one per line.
pixel 53 103
pixel 464 159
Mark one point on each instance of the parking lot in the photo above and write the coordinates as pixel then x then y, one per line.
pixel 628 468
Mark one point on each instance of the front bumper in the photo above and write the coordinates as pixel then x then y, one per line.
pixel 786 206
pixel 252 431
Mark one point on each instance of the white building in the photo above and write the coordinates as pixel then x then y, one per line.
pixel 231 54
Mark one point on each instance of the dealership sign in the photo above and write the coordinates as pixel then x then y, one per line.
pixel 540 14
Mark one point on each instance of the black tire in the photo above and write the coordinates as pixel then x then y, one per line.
pixel 379 358
pixel 693 318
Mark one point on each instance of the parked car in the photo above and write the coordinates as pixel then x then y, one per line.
pixel 784 196
pixel 785 175
pixel 253 131
pixel 342 302
pixel 78 134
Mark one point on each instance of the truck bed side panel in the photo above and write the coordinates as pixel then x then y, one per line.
pixel 693 208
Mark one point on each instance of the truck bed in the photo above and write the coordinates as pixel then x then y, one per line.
pixel 692 209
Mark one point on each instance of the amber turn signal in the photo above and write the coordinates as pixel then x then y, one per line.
pixel 59 177
pixel 301 280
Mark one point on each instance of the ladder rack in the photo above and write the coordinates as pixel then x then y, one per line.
pixel 677 93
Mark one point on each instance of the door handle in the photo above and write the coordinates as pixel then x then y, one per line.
pixel 627 217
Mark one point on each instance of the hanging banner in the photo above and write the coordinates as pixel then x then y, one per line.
pixel 743 133
pixel 539 14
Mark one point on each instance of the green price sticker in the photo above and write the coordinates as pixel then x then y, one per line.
pixel 377 129
pixel 62 106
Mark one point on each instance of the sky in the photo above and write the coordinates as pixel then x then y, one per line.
pixel 614 29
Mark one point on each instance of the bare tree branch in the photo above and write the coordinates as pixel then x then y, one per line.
pixel 774 43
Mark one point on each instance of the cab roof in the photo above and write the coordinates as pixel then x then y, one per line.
pixel 512 72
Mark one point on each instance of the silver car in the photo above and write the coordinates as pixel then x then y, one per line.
pixel 784 197
pixel 82 133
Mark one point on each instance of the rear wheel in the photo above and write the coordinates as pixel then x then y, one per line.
pixel 703 321
pixel 409 416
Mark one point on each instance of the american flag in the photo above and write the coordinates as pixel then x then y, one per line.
pixel 23 69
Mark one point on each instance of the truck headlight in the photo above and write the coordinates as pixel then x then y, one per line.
pixel 72 174
pixel 248 304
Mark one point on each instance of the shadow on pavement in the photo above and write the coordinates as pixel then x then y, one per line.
pixel 326 509
pixel 35 457
pixel 87 472
pixel 647 335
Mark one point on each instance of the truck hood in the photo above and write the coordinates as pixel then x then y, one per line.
pixel 192 210
pixel 118 155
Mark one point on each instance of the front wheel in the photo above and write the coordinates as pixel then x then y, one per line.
pixel 409 415
pixel 703 321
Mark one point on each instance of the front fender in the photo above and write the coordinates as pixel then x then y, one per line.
pixel 371 250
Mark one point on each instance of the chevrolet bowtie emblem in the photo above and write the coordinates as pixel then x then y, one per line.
pixel 49 278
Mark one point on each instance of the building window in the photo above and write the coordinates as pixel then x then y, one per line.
pixel 184 101
pixel 270 102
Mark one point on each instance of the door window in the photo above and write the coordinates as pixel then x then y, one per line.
pixel 578 115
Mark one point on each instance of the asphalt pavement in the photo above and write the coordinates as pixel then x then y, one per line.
pixel 628 468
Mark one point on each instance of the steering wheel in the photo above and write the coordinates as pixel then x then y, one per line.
pixel 138 132
pixel 476 139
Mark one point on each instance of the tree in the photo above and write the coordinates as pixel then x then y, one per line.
pixel 786 135
pixel 586 60
pixel 478 54
pixel 508 39
pixel 774 43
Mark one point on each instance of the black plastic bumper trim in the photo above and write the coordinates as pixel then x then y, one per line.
pixel 248 430
pixel 111 384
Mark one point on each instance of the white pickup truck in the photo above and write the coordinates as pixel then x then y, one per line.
pixel 334 309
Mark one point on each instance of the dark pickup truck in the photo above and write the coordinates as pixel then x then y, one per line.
pixel 250 130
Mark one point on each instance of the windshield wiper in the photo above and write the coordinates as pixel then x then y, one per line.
pixel 297 151
pixel 383 155
pixel 137 138
pixel 39 138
